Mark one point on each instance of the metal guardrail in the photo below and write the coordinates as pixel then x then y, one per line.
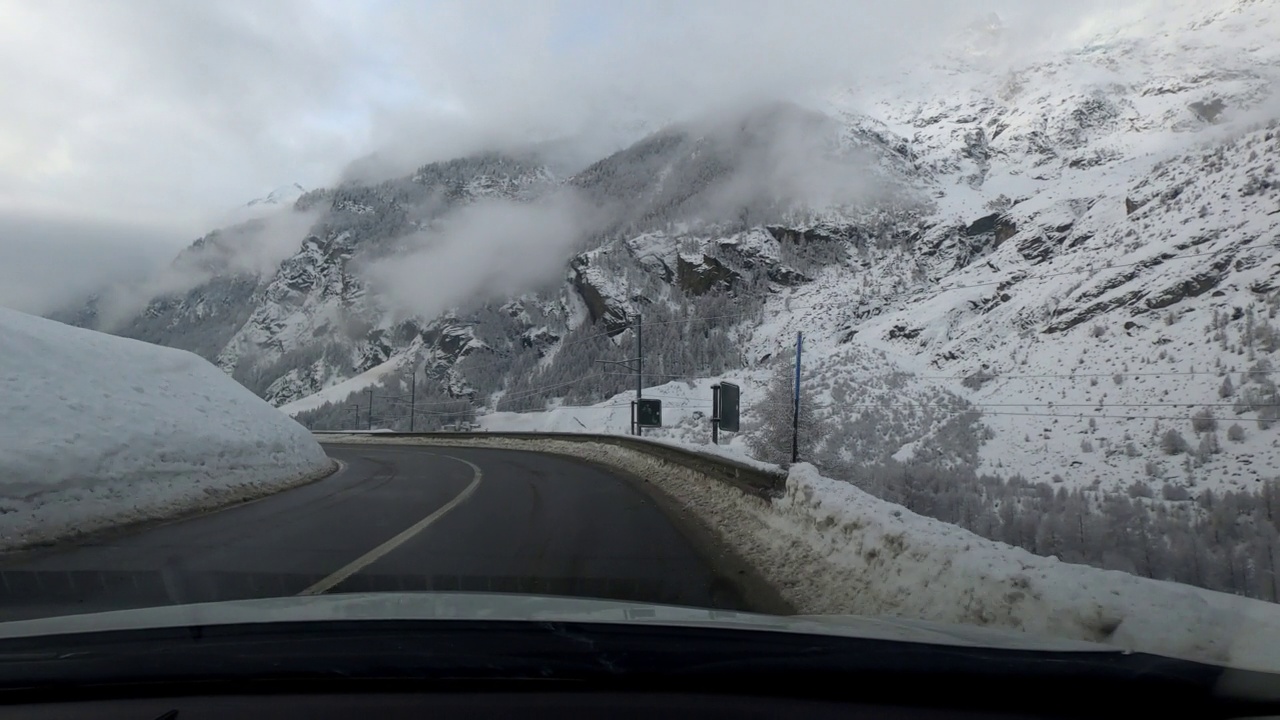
pixel 749 479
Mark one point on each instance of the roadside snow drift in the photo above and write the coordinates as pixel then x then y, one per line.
pixel 855 553
pixel 97 430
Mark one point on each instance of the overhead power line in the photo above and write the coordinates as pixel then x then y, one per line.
pixel 1176 418
pixel 958 286
pixel 989 375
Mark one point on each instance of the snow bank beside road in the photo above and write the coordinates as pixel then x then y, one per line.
pixel 831 548
pixel 97 430
pixel 852 552
pixel 838 550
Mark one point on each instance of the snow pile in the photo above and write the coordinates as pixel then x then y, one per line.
pixel 97 430
pixel 831 548
pixel 849 552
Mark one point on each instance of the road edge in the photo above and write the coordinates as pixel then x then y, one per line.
pixel 224 499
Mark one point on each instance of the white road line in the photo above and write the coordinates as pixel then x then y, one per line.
pixel 368 558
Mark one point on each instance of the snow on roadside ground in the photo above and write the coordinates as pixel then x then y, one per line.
pixel 852 552
pixel 686 412
pixel 97 430
pixel 831 548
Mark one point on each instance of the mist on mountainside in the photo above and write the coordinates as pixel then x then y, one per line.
pixel 766 163
pixel 763 163
pixel 488 250
pixel 254 248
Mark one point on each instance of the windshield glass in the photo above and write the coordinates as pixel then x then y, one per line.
pixel 957 313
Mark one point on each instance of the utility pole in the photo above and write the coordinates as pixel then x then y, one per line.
pixel 370 409
pixel 355 408
pixel 638 369
pixel 413 395
pixel 795 410
pixel 639 356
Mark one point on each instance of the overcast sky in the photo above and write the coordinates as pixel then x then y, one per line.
pixel 129 127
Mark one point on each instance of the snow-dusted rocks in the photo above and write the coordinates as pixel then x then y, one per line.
pixel 101 430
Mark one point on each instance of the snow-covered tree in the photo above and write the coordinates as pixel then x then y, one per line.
pixel 1172 442
pixel 770 441
pixel 1235 433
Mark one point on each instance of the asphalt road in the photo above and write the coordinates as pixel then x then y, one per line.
pixel 402 518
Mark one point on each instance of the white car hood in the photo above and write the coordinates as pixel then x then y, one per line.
pixel 504 607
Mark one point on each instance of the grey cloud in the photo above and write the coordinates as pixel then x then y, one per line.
pixel 49 262
pixel 171 108
pixel 665 60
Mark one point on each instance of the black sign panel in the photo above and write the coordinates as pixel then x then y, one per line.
pixel 730 396
pixel 649 412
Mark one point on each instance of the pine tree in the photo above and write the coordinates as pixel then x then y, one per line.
pixel 1203 421
pixel 1173 443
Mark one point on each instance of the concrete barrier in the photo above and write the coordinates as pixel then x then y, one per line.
pixel 747 478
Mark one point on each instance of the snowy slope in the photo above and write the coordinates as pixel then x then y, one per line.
pixel 97 430
pixel 346 388
pixel 1135 231
pixel 682 405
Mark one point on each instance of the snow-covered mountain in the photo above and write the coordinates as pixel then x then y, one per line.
pixel 280 196
pixel 1056 265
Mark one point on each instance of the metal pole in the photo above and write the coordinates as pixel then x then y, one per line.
pixel 715 414
pixel 795 411
pixel 355 408
pixel 371 409
pixel 639 369
pixel 413 395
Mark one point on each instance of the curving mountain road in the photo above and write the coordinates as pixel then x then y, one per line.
pixel 405 518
